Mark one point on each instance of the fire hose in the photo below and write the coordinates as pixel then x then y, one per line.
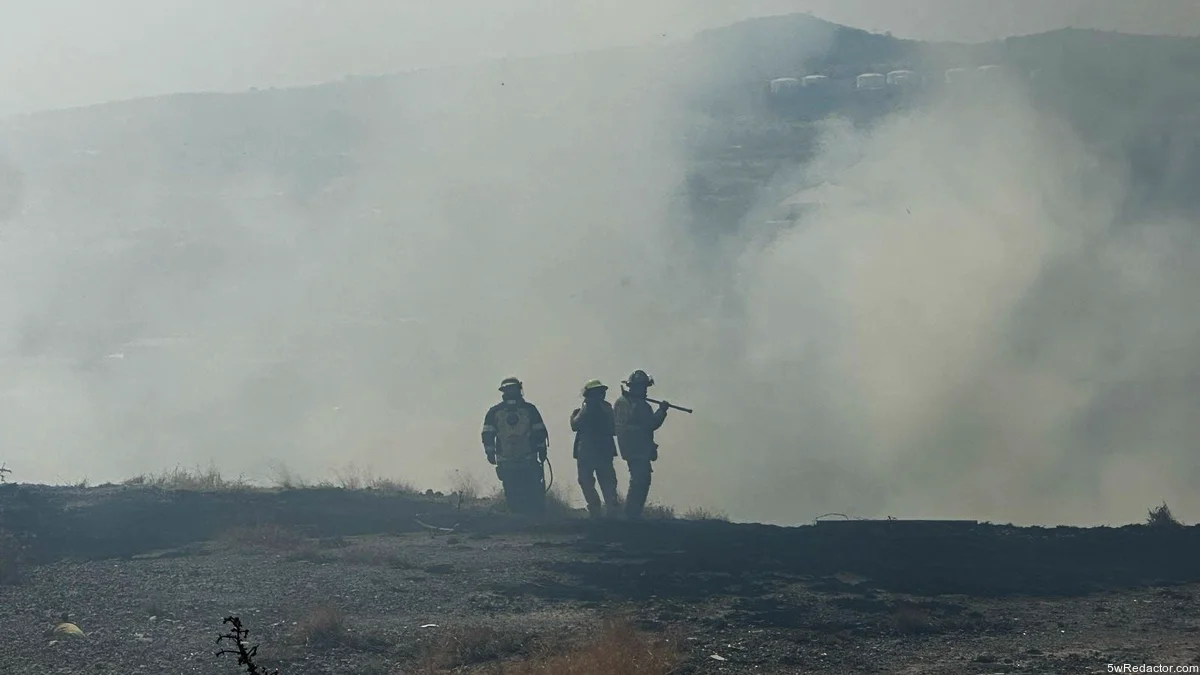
pixel 545 464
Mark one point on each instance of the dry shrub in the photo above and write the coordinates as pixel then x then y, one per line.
pixel 653 511
pixel 324 626
pixel 1161 516
pixel 912 620
pixel 155 605
pixel 558 503
pixel 465 485
pixel 705 514
pixel 473 645
pixel 392 485
pixel 352 477
pixel 196 480
pixel 618 649
pixel 283 477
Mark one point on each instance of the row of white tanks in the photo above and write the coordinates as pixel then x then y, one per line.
pixel 895 78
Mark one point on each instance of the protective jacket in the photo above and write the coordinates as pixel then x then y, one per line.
pixel 513 429
pixel 594 428
pixel 636 423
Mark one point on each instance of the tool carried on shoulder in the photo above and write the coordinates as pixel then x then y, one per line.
pixel 671 405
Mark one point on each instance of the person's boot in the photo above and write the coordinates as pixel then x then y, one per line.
pixel 611 502
pixel 635 501
pixel 591 498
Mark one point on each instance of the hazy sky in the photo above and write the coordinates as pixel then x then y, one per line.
pixel 69 52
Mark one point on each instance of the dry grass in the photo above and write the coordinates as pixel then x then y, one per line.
pixel 616 649
pixel 558 503
pixel 353 477
pixel 465 485
pixel 705 514
pixel 1161 516
pixel 282 477
pixel 197 480
pixel 155 605
pixel 655 511
pixel 324 626
pixel 466 646
pixel 911 620
pixel 350 477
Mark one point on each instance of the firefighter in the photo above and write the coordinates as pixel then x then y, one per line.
pixel 515 441
pixel 635 424
pixel 595 449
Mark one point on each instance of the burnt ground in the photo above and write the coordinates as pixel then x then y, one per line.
pixel 149 574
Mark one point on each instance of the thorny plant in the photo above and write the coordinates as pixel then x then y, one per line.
pixel 1161 516
pixel 245 654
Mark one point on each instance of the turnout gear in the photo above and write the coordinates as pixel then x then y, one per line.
pixel 515 441
pixel 595 449
pixel 635 423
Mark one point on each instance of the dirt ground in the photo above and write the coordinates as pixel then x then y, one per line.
pixel 340 581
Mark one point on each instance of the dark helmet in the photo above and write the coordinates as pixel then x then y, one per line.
pixel 639 377
pixel 511 383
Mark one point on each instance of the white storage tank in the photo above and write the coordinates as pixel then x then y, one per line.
pixel 870 81
pixel 783 85
pixel 988 73
pixel 957 76
pixel 901 78
pixel 814 80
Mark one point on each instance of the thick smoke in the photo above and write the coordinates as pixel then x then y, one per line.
pixel 966 326
pixel 514 219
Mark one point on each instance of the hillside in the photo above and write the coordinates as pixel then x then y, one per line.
pixel 387 582
pixel 1133 96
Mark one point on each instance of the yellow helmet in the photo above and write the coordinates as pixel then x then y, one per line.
pixel 592 384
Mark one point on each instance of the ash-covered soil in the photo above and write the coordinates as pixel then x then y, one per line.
pixel 336 581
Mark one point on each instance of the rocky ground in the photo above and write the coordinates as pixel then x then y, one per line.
pixel 338 581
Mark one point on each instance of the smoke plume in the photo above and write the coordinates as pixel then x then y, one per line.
pixel 968 324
